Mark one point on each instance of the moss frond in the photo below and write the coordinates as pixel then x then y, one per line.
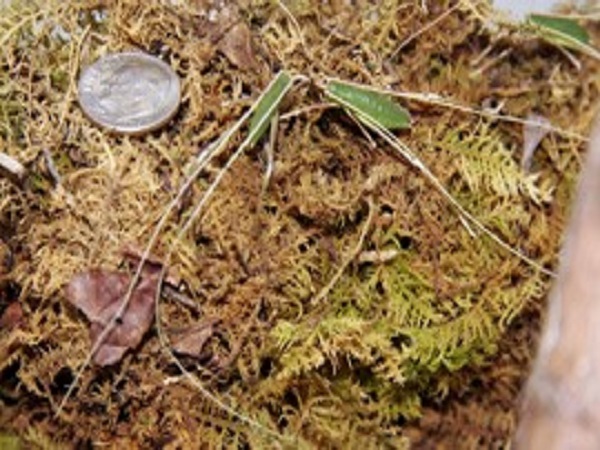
pixel 488 165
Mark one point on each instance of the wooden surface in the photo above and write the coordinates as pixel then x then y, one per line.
pixel 562 401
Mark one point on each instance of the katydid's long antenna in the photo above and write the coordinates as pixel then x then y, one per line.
pixel 407 154
pixel 214 151
pixel 266 116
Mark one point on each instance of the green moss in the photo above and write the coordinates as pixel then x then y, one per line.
pixel 10 442
pixel 390 351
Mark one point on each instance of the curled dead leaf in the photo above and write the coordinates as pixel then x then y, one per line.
pixel 532 136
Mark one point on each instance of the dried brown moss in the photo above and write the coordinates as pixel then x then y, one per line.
pixel 435 338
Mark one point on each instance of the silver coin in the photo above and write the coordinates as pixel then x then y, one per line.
pixel 129 92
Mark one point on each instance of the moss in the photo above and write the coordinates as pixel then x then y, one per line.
pixel 401 351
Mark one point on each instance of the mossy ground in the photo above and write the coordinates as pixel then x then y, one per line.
pixel 428 349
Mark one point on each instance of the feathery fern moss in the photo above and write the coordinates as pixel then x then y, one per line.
pixel 401 347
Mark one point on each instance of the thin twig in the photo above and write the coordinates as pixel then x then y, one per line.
pixel 438 100
pixel 422 30
pixel 52 170
pixel 12 166
pixel 409 155
pixel 351 257
pixel 171 293
pixel 485 67
pixel 294 23
pixel 214 151
pixel 74 63
pixel 8 34
pixel 164 340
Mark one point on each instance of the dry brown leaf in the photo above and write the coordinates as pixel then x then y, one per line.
pixel 12 316
pixel 98 294
pixel 224 27
pixel 236 45
pixel 191 341
pixel 133 255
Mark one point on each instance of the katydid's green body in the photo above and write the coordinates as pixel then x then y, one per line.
pixel 371 105
pixel 563 32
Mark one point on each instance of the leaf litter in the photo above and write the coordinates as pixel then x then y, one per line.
pixel 533 134
pixel 427 347
pixel 192 340
pixel 98 294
